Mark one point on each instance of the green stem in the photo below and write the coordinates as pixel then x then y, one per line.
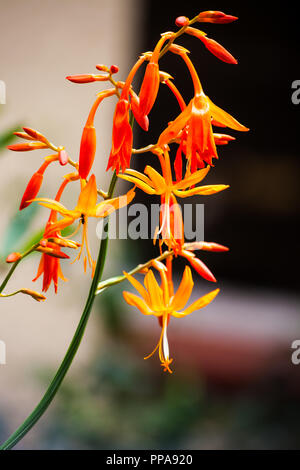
pixel 117 279
pixel 12 269
pixel 74 345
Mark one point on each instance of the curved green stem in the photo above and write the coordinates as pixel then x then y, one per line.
pixel 12 269
pixel 74 345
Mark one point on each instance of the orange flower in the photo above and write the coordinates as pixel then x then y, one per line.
pixel 35 183
pixel 88 139
pixel 50 268
pixel 122 133
pixel 171 224
pixel 159 301
pixel 150 84
pixel 86 207
pixel 196 121
pixel 50 264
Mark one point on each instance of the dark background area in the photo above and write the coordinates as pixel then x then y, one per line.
pixel 257 216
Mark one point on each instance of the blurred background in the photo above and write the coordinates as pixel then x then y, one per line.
pixel 234 384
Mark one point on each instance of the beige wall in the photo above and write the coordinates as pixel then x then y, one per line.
pixel 42 42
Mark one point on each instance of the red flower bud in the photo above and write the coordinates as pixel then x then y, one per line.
pixel 63 157
pixel 181 21
pixel 87 151
pixel 13 257
pixel 83 78
pixel 26 147
pixel 215 17
pixel 219 51
pixel 198 265
pixel 36 135
pixel 102 68
pixel 202 269
pixel 32 189
pixel 114 69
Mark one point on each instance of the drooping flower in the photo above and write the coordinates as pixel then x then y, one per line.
pixel 49 265
pixel 86 207
pixel 150 84
pixel 158 300
pixel 151 182
pixel 122 133
pixel 196 121
pixel 88 139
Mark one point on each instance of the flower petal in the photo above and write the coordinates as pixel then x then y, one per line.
pixel 157 180
pixel 202 190
pixel 53 205
pixel 155 292
pixel 184 290
pixel 200 303
pixel 138 286
pixel 194 178
pixel 223 117
pixel 104 208
pixel 140 184
pixel 88 197
pixel 136 301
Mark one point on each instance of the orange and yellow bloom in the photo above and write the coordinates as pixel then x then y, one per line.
pixel 159 300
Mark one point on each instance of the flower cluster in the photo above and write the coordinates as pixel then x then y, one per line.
pixel 195 142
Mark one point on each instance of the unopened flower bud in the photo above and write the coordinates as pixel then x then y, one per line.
pixel 63 157
pixel 114 69
pixel 35 295
pixel 102 68
pixel 36 135
pixel 215 17
pixel 181 21
pixel 13 257
pixel 27 147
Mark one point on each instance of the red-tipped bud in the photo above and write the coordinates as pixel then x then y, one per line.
pixel 83 78
pixel 114 69
pixel 202 269
pixel 63 157
pixel 181 21
pixel 102 68
pixel 87 151
pixel 213 46
pixel 215 17
pixel 36 135
pixel 27 147
pixel 31 190
pixel 13 257
pixel 219 51
pixel 198 265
